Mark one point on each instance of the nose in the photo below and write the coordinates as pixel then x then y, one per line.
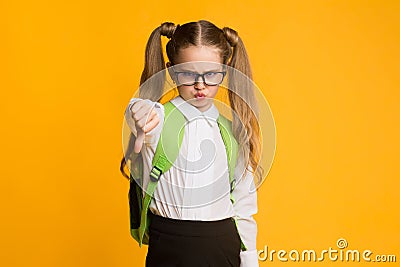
pixel 199 85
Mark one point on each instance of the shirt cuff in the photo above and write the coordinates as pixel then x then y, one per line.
pixel 249 258
pixel 153 135
pixel 128 116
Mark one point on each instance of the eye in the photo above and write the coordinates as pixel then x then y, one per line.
pixel 210 74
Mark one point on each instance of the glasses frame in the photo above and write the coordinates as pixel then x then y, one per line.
pixel 196 79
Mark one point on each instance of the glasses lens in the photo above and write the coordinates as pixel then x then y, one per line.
pixel 186 78
pixel 213 78
pixel 190 78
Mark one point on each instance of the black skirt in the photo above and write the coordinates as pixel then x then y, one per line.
pixel 192 243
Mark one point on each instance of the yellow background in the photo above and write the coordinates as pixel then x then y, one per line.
pixel 330 72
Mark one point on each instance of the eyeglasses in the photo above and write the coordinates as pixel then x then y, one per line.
pixel 210 78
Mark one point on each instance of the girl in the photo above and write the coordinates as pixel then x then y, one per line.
pixel 191 210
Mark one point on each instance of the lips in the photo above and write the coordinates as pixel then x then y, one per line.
pixel 199 95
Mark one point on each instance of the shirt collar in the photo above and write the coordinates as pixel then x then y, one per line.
pixel 191 112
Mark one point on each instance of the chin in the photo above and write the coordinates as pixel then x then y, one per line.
pixel 203 106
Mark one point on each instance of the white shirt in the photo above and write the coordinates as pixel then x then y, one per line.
pixel 197 186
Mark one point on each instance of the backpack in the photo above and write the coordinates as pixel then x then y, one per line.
pixel 167 151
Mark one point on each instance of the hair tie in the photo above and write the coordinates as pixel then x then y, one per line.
pixel 167 29
pixel 231 36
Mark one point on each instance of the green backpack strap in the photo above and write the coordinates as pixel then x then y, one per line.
pixel 231 146
pixel 166 153
pixel 168 147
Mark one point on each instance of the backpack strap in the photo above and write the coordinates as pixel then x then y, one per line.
pixel 166 153
pixel 168 149
pixel 231 147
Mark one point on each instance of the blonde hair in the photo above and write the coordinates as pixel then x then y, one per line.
pixel 241 90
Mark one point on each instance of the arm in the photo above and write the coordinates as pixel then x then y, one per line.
pixel 245 207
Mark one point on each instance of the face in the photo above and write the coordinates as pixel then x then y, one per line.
pixel 199 94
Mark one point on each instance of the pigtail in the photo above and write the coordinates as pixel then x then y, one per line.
pixel 154 63
pixel 243 103
pixel 150 87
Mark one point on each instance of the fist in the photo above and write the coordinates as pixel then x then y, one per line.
pixel 146 119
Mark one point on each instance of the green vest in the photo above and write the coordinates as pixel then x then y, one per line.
pixel 166 153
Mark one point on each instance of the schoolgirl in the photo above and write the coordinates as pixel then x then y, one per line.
pixel 193 220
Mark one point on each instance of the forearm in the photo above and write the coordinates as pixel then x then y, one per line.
pixel 248 232
pixel 245 207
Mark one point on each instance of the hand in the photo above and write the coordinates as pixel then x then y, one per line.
pixel 146 119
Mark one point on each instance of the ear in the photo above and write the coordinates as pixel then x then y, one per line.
pixel 171 73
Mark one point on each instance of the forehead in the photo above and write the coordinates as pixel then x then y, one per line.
pixel 199 66
pixel 198 53
pixel 198 59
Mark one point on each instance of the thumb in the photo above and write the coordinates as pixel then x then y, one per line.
pixel 139 140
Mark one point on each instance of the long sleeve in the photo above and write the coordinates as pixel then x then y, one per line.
pixel 245 207
pixel 152 136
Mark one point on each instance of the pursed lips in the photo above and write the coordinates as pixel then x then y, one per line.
pixel 199 95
